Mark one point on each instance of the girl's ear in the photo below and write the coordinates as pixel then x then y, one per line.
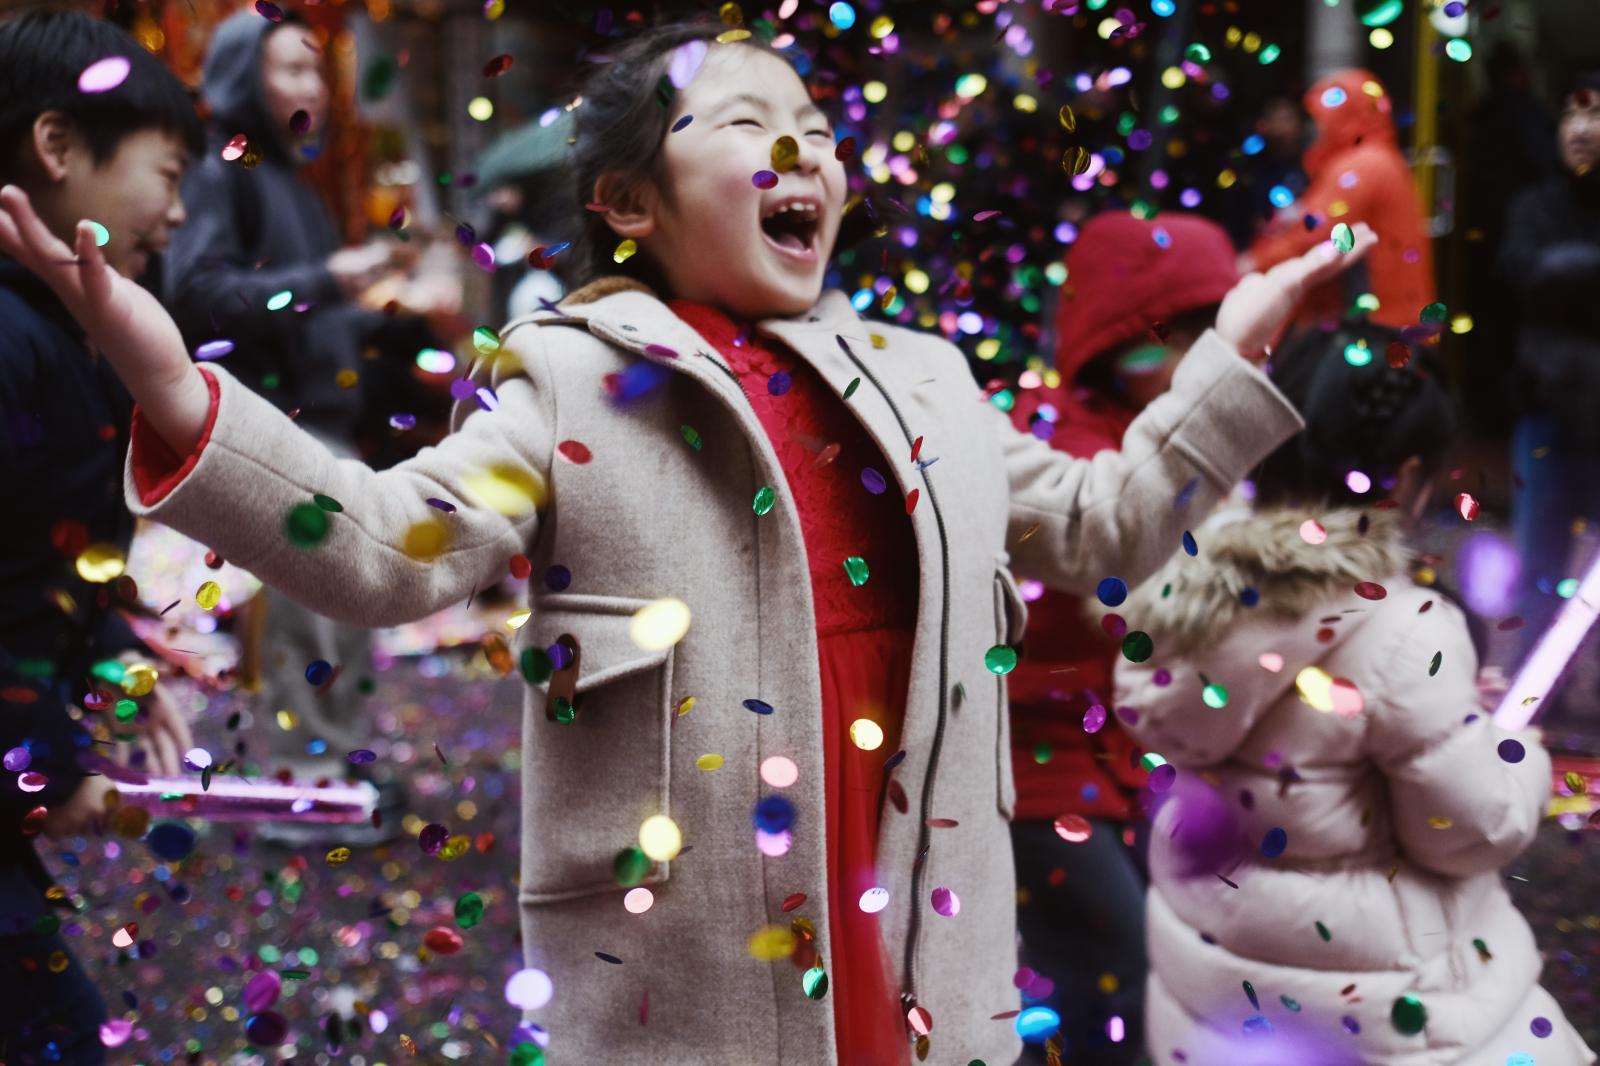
pixel 630 205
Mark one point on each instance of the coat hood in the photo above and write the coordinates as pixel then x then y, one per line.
pixel 1193 602
pixel 231 84
pixel 1350 107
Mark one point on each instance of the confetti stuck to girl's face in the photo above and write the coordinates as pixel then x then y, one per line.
pixel 719 237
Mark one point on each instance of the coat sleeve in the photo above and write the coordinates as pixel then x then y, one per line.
pixel 212 287
pixel 1124 512
pixel 388 555
pixel 1458 807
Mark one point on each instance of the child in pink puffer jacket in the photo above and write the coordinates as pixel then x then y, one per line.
pixel 1326 869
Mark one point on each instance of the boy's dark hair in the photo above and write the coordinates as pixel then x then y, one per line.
pixel 621 126
pixel 1361 414
pixel 43 52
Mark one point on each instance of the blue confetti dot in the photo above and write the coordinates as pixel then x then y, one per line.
pixel 1112 591
pixel 1037 1024
pixel 557 578
pixel 1257 1025
pixel 1512 750
pixel 1249 597
pixel 758 706
pixel 560 654
pixel 682 122
pixel 1188 543
pixel 774 814
pixel 170 841
pixel 842 15
pixel 1253 144
pixel 779 383
pixel 1281 196
pixel 319 671
pixel 1275 842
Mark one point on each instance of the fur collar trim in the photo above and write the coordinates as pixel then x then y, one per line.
pixel 1194 601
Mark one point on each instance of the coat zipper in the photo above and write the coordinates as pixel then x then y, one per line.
pixel 908 998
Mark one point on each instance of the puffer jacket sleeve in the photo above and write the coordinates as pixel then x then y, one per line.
pixel 1458 803
pixel 1124 512
pixel 390 552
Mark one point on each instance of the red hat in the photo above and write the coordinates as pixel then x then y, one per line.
pixel 1126 274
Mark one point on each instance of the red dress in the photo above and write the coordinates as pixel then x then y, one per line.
pixel 864 638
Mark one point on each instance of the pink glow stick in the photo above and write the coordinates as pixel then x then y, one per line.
pixel 1529 690
pixel 233 800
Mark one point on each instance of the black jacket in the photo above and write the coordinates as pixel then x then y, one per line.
pixel 64 419
pixel 253 233
pixel 1549 258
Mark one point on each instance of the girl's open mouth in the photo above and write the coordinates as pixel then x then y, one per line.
pixel 791 227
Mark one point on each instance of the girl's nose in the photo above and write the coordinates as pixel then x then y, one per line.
pixel 809 160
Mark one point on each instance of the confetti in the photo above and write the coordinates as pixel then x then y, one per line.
pixel 866 734
pixel 1466 506
pixel 766 496
pixel 681 124
pixel 624 251
pixel 529 989
pixel 764 179
pixel 1000 659
pixel 1112 591
pixel 1274 843
pixel 856 568
pixel 1408 1015
pixel 785 154
pixel 1137 646
pixel 104 75
pixel 1344 238
pixel 660 838
pixel 659 625
pixel 208 595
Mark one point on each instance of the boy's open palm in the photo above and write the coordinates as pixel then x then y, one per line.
pixel 1255 310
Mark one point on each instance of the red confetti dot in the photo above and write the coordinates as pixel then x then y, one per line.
pixel 521 567
pixel 1371 590
pixel 574 451
pixel 793 901
pixel 911 500
pixel 984 216
pixel 442 941
pixel 1466 506
pixel 845 149
pixel 1397 354
pixel 497 66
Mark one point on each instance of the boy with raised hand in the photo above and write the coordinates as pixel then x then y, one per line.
pixel 92 126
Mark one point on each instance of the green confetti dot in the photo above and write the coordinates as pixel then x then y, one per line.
pixel 279 300
pixel 526 1053
pixel 1000 659
pixel 1250 994
pixel 328 503
pixel 1137 646
pixel 850 389
pixel 536 665
pixel 102 236
pixel 1435 312
pixel 565 712
pixel 485 340
pixel 1322 931
pixel 127 710
pixel 469 910
pixel 815 983
pixel 630 866
pixel 1150 760
pixel 296 975
pixel 691 436
pixel 765 498
pixel 856 567
pixel 1290 1002
pixel 1215 696
pixel 1344 238
pixel 306 525
pixel 1433 667
pixel 1043 753
pixel 1408 1015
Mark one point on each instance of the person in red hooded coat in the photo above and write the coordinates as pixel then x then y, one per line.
pixel 1138 294
pixel 1357 174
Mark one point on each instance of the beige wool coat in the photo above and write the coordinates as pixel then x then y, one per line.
pixel 648 516
pixel 1399 808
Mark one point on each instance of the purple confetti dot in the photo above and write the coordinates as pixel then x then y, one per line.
pixel 873 481
pixel 262 991
pixel 1163 777
pixel 444 505
pixel 432 838
pixel 682 122
pixel 1512 750
pixel 213 349
pixel 401 420
pixel 560 655
pixel 483 256
pixel 463 389
pixel 17 759
pixel 1162 677
pixel 361 757
pixel 268 1029
pixel 779 383
pixel 764 179
pixel 557 577
pixel 1541 1027
pixel 1094 719
pixel 1351 1026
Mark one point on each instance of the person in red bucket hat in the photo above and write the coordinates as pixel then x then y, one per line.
pixel 1138 293
pixel 1357 174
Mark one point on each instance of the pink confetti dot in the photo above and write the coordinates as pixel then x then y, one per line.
pixel 104 75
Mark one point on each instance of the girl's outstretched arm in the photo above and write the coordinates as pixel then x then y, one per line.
pixel 219 463
pixel 1124 512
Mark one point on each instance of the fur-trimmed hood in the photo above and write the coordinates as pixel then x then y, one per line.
pixel 1196 601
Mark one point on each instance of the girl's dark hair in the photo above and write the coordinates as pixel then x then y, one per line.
pixel 620 127
pixel 1361 413
pixel 42 53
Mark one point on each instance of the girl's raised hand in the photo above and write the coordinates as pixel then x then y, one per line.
pixel 122 319
pixel 1255 310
